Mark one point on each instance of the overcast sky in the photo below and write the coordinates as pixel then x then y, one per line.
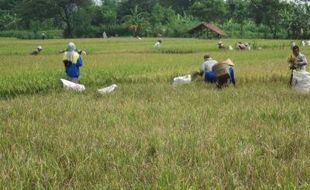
pixel 98 2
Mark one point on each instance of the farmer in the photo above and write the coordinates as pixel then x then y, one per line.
pixel 243 46
pixel 224 73
pixel 104 35
pixel 157 44
pixel 221 45
pixel 297 61
pixel 43 36
pixel 240 46
pixel 72 61
pixel 206 69
pixel 37 51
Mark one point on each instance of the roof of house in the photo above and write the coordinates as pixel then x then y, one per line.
pixel 209 26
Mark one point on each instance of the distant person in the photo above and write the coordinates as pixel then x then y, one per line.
pixel 241 46
pixel 157 44
pixel 221 45
pixel 206 69
pixel 43 36
pixel 37 51
pixel 72 61
pixel 303 43
pixel 104 35
pixel 297 61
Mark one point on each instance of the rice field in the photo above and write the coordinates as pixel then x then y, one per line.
pixel 148 134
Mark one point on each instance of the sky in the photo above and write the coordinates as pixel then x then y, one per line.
pixel 98 2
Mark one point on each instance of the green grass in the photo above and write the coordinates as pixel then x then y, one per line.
pixel 148 134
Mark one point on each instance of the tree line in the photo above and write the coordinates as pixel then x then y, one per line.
pixel 173 18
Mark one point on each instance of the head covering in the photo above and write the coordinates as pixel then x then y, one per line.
pixel 295 47
pixel 206 56
pixel 70 50
pixel 71 46
pixel 39 47
pixel 228 62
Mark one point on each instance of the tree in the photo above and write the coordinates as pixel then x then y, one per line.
pixel 238 12
pixel 295 19
pixel 64 10
pixel 8 20
pixel 267 12
pixel 136 20
pixel 180 6
pixel 106 14
pixel 126 7
pixel 211 10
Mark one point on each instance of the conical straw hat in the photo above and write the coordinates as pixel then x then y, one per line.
pixel 229 62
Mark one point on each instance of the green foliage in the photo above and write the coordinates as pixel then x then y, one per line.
pixel 250 30
pixel 293 20
pixel 83 18
pixel 136 21
pixel 7 20
pixel 210 11
pixel 24 34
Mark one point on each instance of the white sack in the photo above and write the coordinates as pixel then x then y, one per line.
pixel 186 79
pixel 301 81
pixel 108 89
pixel 68 85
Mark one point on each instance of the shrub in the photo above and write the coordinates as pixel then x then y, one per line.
pixel 25 34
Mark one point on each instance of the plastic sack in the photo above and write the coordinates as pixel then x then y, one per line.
pixel 68 85
pixel 186 79
pixel 301 81
pixel 108 89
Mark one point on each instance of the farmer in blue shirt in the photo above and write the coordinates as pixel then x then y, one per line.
pixel 72 61
pixel 225 73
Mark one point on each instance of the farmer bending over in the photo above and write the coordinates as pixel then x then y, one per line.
pixel 297 61
pixel 206 69
pixel 224 73
pixel 221 45
pixel 72 61
pixel 37 51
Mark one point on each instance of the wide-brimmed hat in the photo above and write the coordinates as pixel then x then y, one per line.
pixel 228 62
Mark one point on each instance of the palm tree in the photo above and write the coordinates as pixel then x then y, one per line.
pixel 136 21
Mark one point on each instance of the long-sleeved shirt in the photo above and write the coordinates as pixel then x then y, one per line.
pixel 207 65
pixel 73 64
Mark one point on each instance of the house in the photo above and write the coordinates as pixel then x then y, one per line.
pixel 210 29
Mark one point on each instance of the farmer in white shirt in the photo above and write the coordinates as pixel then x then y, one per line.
pixel 157 44
pixel 206 69
pixel 297 61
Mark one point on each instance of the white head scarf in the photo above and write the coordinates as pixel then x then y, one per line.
pixel 70 50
